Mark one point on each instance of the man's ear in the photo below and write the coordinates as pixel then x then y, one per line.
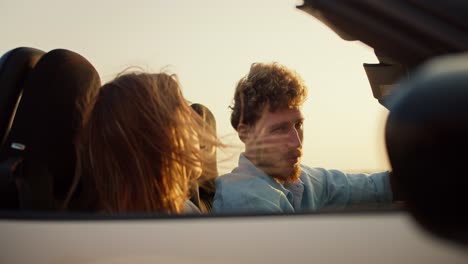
pixel 243 130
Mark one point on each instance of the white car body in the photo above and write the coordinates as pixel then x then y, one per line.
pixel 390 237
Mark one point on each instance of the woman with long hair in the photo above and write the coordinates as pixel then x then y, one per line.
pixel 139 148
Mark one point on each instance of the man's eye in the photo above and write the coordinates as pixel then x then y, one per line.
pixel 299 125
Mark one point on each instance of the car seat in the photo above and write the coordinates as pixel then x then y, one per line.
pixel 38 154
pixel 15 67
pixel 426 137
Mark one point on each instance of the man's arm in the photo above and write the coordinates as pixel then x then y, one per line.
pixel 364 190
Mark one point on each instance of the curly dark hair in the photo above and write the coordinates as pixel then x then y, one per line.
pixel 266 84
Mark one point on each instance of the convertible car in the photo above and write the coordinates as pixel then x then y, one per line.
pixel 421 77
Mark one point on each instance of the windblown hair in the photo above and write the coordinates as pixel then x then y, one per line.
pixel 138 148
pixel 205 190
pixel 267 84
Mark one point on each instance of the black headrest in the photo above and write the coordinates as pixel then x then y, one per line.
pixel 427 144
pixel 15 67
pixel 48 118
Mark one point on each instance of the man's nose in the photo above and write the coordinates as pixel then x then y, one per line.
pixel 295 139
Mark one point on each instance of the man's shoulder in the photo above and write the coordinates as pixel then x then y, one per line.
pixel 242 192
pixel 313 174
pixel 246 186
pixel 240 180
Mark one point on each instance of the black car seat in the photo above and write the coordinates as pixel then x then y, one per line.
pixel 15 67
pixel 203 191
pixel 41 138
pixel 427 144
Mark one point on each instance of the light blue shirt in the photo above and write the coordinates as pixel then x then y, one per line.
pixel 249 189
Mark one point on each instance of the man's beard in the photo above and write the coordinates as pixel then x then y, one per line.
pixel 292 176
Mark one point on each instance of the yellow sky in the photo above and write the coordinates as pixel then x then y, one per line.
pixel 210 44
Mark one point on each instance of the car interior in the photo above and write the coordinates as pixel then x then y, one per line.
pixel 45 108
pixel 421 78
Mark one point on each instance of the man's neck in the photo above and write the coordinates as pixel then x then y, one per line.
pixel 280 181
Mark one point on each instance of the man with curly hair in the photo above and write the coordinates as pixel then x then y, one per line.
pixel 266 113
